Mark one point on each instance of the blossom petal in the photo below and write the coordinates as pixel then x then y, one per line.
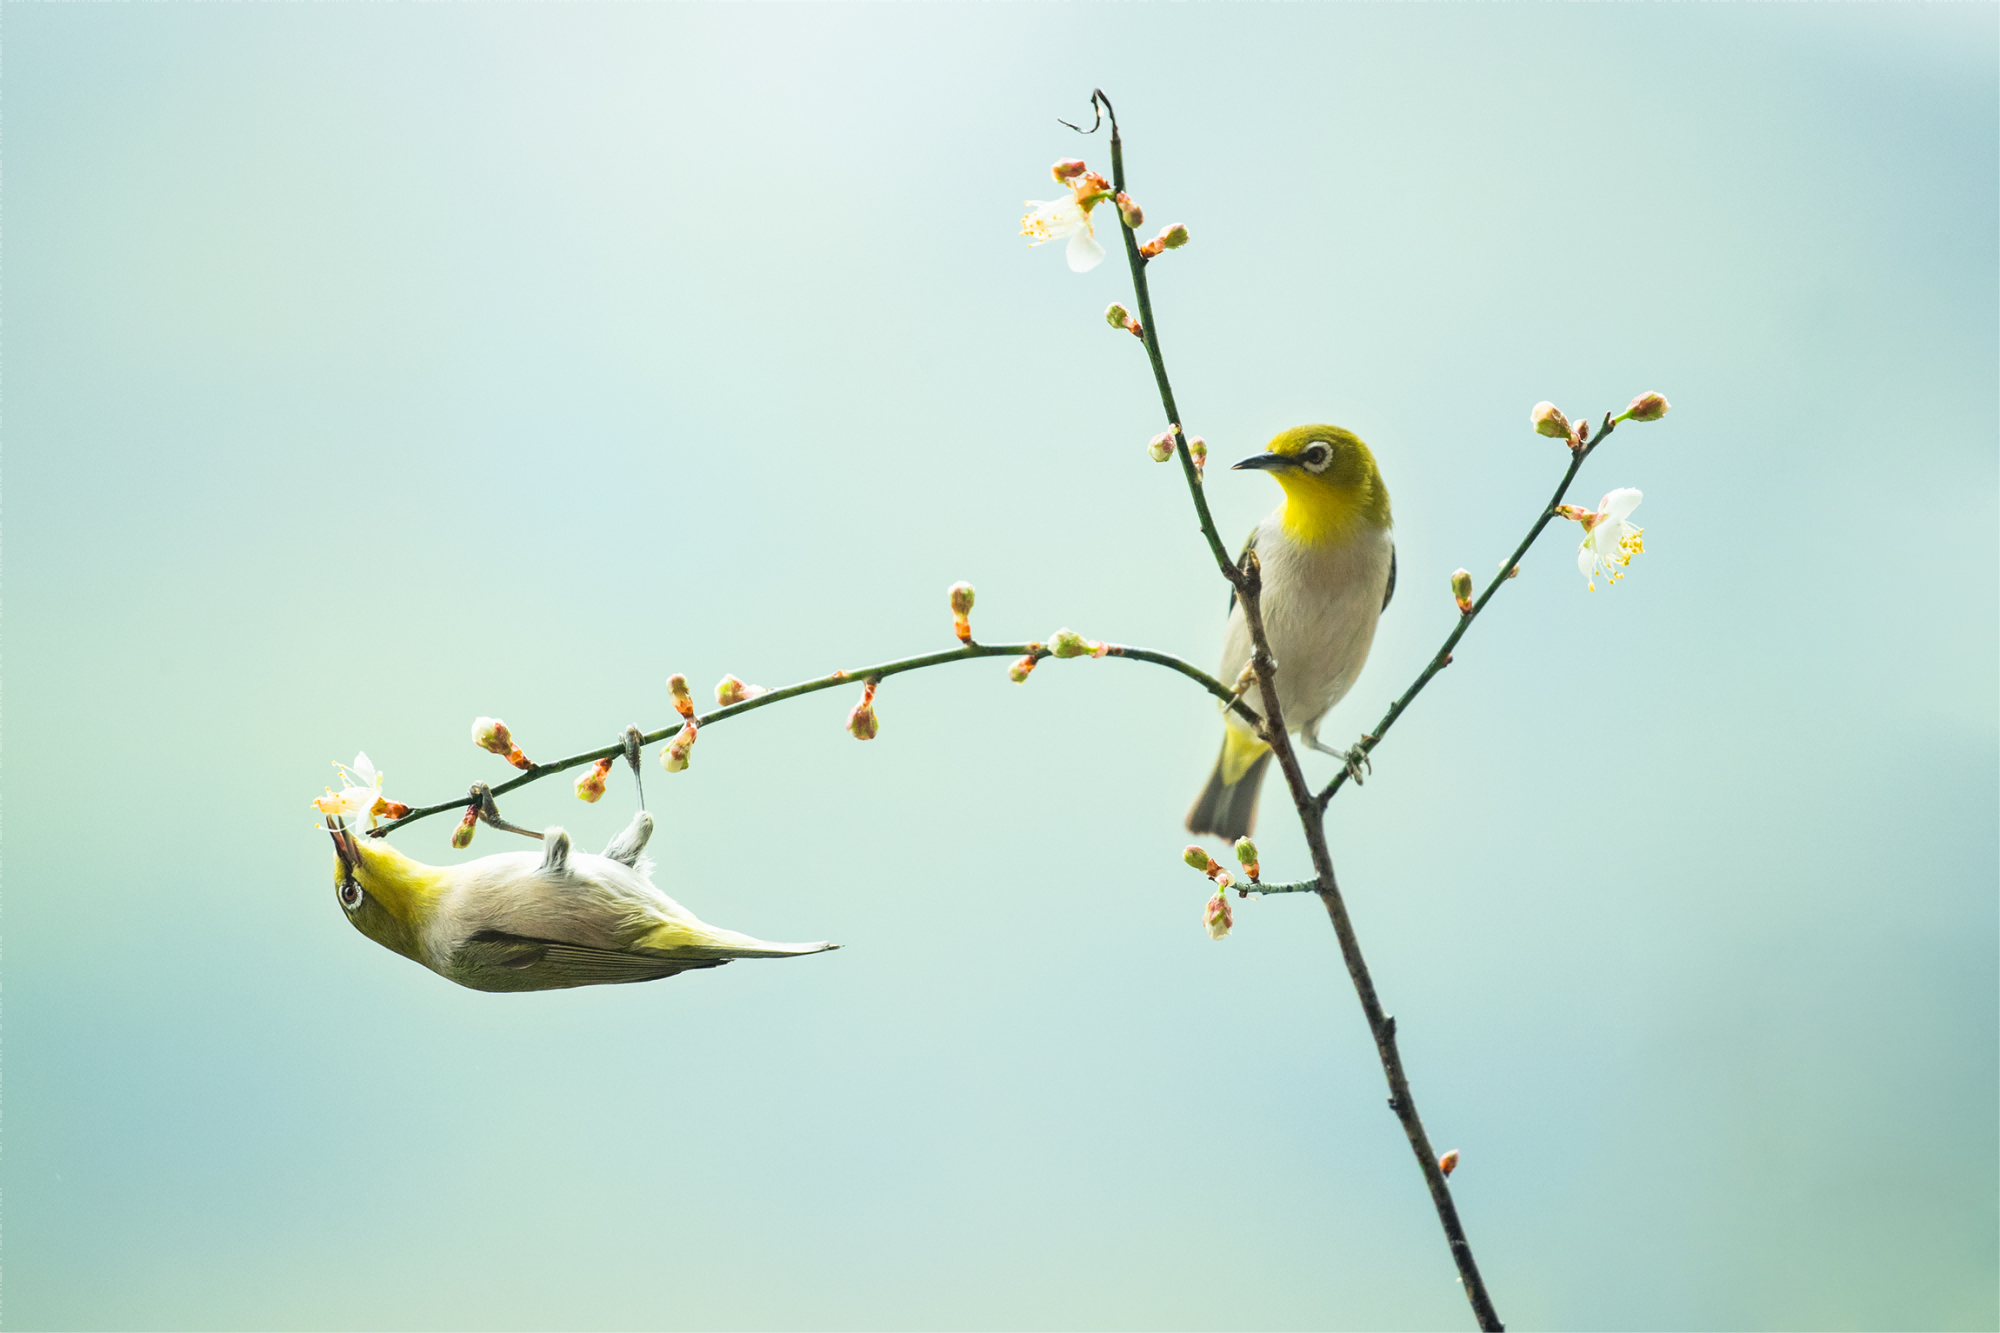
pixel 1619 503
pixel 365 771
pixel 1586 559
pixel 1085 253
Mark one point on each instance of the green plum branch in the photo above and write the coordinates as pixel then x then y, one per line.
pixel 481 795
pixel 1442 658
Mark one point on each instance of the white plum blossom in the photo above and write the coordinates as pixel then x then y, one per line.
pixel 1610 538
pixel 1054 219
pixel 360 795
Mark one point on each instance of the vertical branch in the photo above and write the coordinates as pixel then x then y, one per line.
pixel 1248 583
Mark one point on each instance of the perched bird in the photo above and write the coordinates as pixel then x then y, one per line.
pixel 534 920
pixel 1329 568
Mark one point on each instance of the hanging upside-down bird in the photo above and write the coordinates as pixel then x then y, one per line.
pixel 534 920
pixel 1329 569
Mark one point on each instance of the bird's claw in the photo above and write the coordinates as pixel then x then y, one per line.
pixel 1357 760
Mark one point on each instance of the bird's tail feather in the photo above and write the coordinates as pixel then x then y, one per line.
pixel 1228 809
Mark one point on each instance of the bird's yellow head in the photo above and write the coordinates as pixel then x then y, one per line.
pixel 387 896
pixel 1331 484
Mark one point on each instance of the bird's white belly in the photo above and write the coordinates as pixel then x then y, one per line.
pixel 1320 606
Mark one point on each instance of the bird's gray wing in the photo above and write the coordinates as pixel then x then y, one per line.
pixel 1390 591
pixel 1249 545
pixel 494 960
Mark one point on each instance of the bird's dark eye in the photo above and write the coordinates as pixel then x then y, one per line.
pixel 350 894
pixel 1315 457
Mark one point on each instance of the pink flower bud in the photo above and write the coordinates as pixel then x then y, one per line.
pixel 1548 420
pixel 677 685
pixel 1067 169
pixel 1461 590
pixel 675 757
pixel 1246 856
pixel 862 723
pixel 1161 448
pixel 590 786
pixel 1173 238
pixel 1017 670
pixel 1449 1162
pixel 1646 407
pixel 1199 859
pixel 1216 917
pixel 461 837
pixel 961 610
pixel 1115 315
pixel 1068 643
pixel 1198 451
pixel 1135 217
pixel 730 690
pixel 490 733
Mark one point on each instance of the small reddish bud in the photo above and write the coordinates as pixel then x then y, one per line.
pixel 1216 917
pixel 1449 1162
pixel 390 809
pixel 1514 572
pixel 461 837
pixel 1017 670
pixel 677 685
pixel 1461 590
pixel 862 723
pixel 1646 407
pixel 1068 643
pixel 490 733
pixel 590 786
pixel 1135 217
pixel 1068 169
pixel 1161 447
pixel 961 610
pixel 730 690
pixel 1548 420
pixel 675 757
pixel 1198 451
pixel 1246 856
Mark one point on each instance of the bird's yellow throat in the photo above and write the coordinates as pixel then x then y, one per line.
pixel 1323 509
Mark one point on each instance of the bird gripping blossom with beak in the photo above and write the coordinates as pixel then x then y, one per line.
pixel 1329 568
pixel 534 920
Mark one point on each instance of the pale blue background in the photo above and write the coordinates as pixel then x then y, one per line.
pixel 369 368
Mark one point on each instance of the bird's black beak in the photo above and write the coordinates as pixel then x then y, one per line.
pixel 343 847
pixel 1262 463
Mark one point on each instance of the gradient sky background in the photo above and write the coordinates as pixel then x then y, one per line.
pixel 373 367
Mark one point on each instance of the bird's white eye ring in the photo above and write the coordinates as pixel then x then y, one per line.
pixel 1315 457
pixel 350 894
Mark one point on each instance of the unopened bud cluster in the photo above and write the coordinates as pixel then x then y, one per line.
pixel 590 787
pixel 862 723
pixel 1068 643
pixel 960 595
pixel 490 733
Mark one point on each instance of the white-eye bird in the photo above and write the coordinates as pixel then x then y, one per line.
pixel 1329 569
pixel 534 920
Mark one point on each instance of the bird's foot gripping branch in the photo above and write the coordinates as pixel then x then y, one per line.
pixel 1324 564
